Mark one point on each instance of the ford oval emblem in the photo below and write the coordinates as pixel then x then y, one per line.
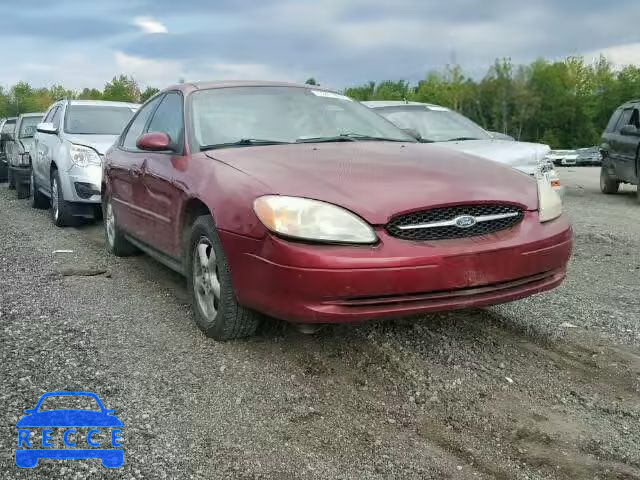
pixel 465 221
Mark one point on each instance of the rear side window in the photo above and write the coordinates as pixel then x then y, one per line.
pixel 168 117
pixel 139 122
pixel 9 126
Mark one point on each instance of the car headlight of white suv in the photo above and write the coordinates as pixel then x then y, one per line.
pixel 82 156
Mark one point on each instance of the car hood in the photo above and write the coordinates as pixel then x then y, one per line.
pixel 69 418
pixel 100 143
pixel 378 180
pixel 521 155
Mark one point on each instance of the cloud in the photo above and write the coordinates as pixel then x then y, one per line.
pixel 339 42
pixel 619 55
pixel 149 25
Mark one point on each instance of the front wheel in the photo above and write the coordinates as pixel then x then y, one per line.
pixel 608 185
pixel 61 210
pixel 215 307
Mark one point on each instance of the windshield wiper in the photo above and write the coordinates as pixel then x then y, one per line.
pixel 346 137
pixel 243 142
pixel 460 139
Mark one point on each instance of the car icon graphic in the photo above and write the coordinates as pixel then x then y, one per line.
pixel 69 418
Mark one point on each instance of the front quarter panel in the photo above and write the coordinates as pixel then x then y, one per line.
pixel 226 191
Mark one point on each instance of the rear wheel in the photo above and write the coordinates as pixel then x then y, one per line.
pixel 11 179
pixel 38 199
pixel 116 241
pixel 215 307
pixel 608 184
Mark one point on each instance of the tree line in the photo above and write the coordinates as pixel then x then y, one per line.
pixel 564 103
pixel 23 98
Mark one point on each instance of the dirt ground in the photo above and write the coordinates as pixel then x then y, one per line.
pixel 543 388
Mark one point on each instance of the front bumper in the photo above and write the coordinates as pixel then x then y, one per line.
pixel 82 184
pixel 348 284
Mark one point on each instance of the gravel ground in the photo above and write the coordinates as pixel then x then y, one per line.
pixel 544 388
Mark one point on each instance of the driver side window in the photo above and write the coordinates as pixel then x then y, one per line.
pixel 136 127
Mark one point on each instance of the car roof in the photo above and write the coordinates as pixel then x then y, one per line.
pixel 399 103
pixel 103 103
pixel 206 85
pixel 32 114
pixel 630 103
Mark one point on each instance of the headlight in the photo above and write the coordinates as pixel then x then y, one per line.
pixel 308 219
pixel 549 202
pixel 83 156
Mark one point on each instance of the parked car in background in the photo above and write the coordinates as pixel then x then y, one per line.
pixel 19 153
pixel 301 203
pixel 589 156
pixel 69 145
pixel 436 124
pixel 7 127
pixel 563 157
pixel 620 147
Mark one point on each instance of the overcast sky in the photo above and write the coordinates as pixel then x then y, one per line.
pixel 339 42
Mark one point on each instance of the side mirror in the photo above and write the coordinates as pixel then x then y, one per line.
pixel 154 142
pixel 30 410
pixel 47 128
pixel 413 132
pixel 630 130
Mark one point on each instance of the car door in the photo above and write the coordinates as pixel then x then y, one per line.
pixel 618 146
pixel 46 145
pixel 161 192
pixel 123 173
pixel 629 150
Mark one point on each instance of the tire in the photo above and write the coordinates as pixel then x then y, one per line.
pixel 38 199
pixel 117 244
pixel 61 210
pixel 11 180
pixel 608 185
pixel 219 315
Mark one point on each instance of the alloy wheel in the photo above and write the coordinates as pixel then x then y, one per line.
pixel 110 224
pixel 54 198
pixel 206 280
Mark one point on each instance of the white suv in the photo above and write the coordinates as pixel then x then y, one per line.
pixel 67 153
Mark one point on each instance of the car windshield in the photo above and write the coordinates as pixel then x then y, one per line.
pixel 435 124
pixel 271 115
pixel 28 126
pixel 96 119
pixel 73 402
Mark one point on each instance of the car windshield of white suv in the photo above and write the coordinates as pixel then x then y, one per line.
pixel 245 116
pixel 435 125
pixel 96 120
pixel 28 126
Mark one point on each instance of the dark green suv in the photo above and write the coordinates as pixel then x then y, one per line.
pixel 620 146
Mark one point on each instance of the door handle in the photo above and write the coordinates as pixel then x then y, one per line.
pixel 135 172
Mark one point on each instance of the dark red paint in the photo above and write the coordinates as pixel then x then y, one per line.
pixel 152 192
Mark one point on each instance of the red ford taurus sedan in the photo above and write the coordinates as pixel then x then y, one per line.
pixel 302 204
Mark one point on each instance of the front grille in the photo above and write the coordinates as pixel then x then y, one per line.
pixel 449 214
